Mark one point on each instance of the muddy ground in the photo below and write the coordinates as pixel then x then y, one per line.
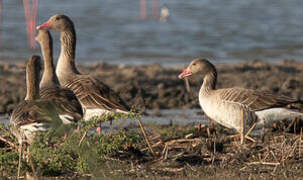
pixel 157 87
pixel 186 152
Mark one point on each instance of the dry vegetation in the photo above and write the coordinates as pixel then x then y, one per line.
pixel 176 152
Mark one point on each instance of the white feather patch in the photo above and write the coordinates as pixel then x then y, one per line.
pixel 30 129
pixel 269 116
pixel 89 113
pixel 65 118
pixel 98 112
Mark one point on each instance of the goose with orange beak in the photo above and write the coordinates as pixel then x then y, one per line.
pixel 238 108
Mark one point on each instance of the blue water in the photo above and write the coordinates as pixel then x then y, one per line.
pixel 161 117
pixel 111 30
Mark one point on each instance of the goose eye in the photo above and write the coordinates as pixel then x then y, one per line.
pixel 194 64
pixel 57 18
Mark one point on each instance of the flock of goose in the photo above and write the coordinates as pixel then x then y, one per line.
pixel 65 95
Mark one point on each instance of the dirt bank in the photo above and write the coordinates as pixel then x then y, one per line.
pixel 157 87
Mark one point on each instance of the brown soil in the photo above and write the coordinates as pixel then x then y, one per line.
pixel 157 87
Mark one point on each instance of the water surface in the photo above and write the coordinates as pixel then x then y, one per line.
pixel 233 30
pixel 160 117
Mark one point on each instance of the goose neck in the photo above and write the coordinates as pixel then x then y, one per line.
pixel 49 76
pixel 209 82
pixel 32 83
pixel 66 62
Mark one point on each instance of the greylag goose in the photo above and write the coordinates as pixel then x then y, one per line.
pixel 32 114
pixel 95 97
pixel 238 108
pixel 67 104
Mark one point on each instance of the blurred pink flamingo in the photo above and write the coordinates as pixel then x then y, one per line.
pixel 30 17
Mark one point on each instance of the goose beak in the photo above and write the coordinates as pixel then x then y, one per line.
pixel 44 26
pixel 185 73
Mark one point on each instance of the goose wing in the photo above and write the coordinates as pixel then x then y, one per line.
pixel 39 111
pixel 254 100
pixel 95 94
pixel 65 102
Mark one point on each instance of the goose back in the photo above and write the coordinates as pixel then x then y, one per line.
pixel 94 94
pixel 252 99
pixel 30 116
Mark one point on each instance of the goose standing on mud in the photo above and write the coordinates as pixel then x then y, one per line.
pixel 95 97
pixel 67 104
pixel 32 114
pixel 238 108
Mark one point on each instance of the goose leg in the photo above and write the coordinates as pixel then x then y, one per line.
pixel 211 123
pixel 19 163
pixel 78 128
pixel 249 131
pixel 211 126
pixel 242 138
pixel 32 164
pixel 263 134
pixel 242 134
pixel 99 129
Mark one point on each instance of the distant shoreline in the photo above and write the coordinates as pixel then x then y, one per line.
pixel 168 63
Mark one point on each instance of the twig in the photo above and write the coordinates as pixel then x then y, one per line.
pixel 112 159
pixel 8 142
pixel 156 137
pixel 154 145
pixel 291 151
pixel 163 151
pixel 173 169
pixel 82 138
pixel 190 167
pixel 146 138
pixel 242 133
pixel 273 154
pixel 264 163
pixel 189 135
pixel 178 155
pixel 265 157
pixel 300 143
pixel 292 123
pixel 166 152
pixel 181 141
pixel 32 166
pixel 19 161
pixel 178 146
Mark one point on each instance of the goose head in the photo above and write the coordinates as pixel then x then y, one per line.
pixel 199 66
pixel 43 37
pixel 58 22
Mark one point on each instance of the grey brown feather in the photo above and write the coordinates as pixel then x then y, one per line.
pixel 255 100
pixel 65 102
pixel 94 94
